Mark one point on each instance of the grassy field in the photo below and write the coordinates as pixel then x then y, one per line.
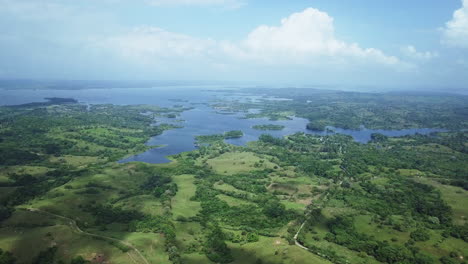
pixel 455 197
pixel 150 245
pixel 76 161
pixel 181 203
pixel 66 200
pixel 36 171
pixel 274 251
pixel 221 200
pixel 112 182
pixel 24 230
pixel 227 187
pixel 364 224
pixel 237 162
pixel 232 201
pixel 351 256
pixel 24 244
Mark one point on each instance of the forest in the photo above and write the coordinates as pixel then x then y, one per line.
pixel 302 198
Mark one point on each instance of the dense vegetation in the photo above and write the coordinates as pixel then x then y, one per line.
pixel 352 110
pixel 219 137
pixel 297 199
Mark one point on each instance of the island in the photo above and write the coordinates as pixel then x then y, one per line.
pixel 316 126
pixel 233 134
pixel 210 139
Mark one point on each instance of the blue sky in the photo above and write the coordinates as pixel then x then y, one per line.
pixel 420 43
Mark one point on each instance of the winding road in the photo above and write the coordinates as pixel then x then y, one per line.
pixel 297 234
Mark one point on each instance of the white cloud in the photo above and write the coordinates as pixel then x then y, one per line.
pixel 306 38
pixel 411 52
pixel 152 44
pixel 455 32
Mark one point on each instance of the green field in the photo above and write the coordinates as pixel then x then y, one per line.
pixel 298 199
pixel 181 203
pixel 237 162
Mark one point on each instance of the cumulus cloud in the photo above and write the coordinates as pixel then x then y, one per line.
pixel 301 43
pixel 411 52
pixel 455 32
pixel 307 35
pixel 304 38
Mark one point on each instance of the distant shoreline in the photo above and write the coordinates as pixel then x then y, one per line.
pixel 49 101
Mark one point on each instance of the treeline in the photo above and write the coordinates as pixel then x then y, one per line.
pixel 29 187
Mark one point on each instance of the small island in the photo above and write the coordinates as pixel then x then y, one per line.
pixel 233 134
pixel 268 127
pixel 207 139
pixel 316 126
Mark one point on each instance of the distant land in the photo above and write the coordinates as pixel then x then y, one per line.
pixel 32 84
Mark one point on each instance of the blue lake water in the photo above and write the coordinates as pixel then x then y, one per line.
pixel 202 120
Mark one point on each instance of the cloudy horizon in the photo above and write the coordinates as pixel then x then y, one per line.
pixel 422 43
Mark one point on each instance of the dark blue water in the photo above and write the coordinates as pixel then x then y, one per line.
pixel 202 120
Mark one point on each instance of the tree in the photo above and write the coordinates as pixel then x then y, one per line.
pixel 6 257
pixel 78 260
pixel 377 137
pixel 422 259
pixel 420 235
pixel 392 254
pixel 46 257
pixel 4 212
pixel 274 209
pixel 447 260
pixel 216 248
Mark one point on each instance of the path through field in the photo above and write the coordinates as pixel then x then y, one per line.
pixel 77 229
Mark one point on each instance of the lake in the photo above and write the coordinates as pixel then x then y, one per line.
pixel 201 120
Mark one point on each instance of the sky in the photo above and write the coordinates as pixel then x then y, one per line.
pixel 399 43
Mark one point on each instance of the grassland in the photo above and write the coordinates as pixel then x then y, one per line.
pixel 69 173
pixel 26 234
pixel 237 162
pixel 274 251
pixel 394 200
pixel 182 206
pixel 455 197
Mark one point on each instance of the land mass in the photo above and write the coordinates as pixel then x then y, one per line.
pixel 302 198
